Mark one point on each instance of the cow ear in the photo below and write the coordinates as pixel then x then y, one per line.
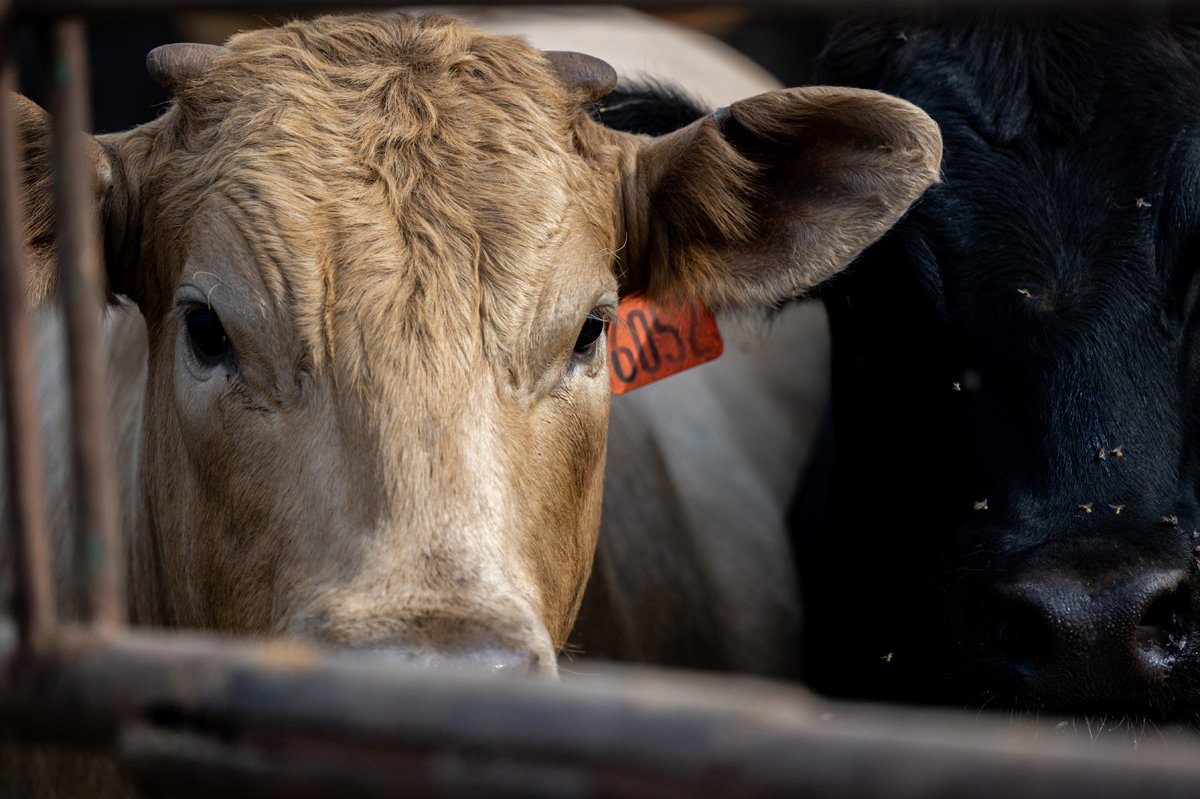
pixel 35 145
pixel 765 199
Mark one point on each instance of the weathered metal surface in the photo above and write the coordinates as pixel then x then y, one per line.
pixel 82 293
pixel 194 716
pixel 33 600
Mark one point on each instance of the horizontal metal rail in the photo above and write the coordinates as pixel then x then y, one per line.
pixel 195 715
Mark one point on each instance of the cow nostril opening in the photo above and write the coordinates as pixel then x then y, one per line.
pixel 1023 636
pixel 1161 631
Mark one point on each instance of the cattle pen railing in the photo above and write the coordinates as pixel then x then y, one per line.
pixel 189 714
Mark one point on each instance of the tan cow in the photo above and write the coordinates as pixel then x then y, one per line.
pixel 693 565
pixel 375 257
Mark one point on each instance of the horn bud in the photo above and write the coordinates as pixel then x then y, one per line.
pixel 173 66
pixel 583 73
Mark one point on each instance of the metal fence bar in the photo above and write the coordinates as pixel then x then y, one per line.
pixel 27 526
pixel 194 715
pixel 82 291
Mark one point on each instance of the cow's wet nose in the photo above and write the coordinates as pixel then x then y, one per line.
pixel 1075 641
pixel 483 659
pixel 426 639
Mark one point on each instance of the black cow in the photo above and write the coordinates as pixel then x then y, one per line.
pixel 1014 465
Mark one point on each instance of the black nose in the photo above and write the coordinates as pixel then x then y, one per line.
pixel 1072 641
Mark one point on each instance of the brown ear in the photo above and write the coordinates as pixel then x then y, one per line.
pixel 37 191
pixel 769 197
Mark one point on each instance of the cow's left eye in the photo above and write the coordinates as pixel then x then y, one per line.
pixel 589 334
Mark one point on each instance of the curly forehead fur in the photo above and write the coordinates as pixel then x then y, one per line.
pixel 415 168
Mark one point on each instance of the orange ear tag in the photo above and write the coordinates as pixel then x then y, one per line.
pixel 647 342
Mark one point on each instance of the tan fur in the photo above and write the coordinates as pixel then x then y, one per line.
pixel 402 224
pixel 822 172
pixel 33 125
pixel 413 265
pixel 693 567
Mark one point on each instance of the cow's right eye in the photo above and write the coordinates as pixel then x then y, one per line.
pixel 593 328
pixel 207 335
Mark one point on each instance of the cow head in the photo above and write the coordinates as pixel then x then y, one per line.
pixel 1015 382
pixel 376 257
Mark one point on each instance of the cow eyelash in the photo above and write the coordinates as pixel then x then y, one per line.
pixel 595 325
pixel 589 334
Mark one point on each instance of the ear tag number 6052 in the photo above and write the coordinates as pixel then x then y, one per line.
pixel 648 342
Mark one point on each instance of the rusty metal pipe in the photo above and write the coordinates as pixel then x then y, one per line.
pixel 33 600
pixel 82 291
pixel 194 715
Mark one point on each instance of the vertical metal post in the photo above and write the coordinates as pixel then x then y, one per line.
pixel 82 288
pixel 34 599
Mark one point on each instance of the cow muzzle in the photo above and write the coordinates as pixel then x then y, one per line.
pixel 1077 632
pixel 435 641
pixel 481 659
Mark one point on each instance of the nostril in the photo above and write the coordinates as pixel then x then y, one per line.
pixel 1070 639
pixel 1023 635
pixel 1162 629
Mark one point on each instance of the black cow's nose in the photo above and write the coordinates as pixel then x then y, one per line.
pixel 1075 641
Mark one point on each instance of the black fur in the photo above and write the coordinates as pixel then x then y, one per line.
pixel 1028 336
pixel 649 108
